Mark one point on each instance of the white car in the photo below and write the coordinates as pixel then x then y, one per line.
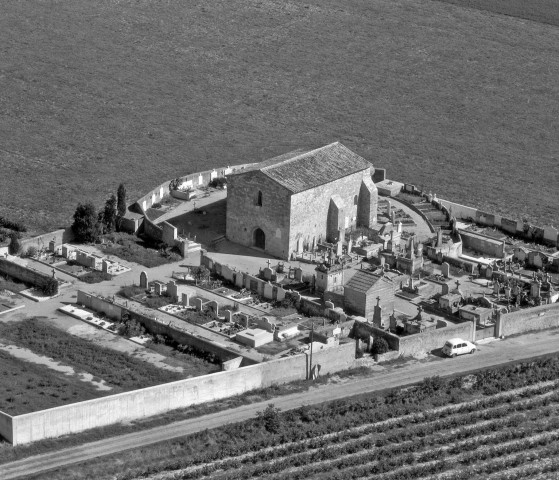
pixel 458 346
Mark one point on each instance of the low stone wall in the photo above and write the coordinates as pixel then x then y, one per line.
pixel 159 399
pixel 152 231
pixel 419 212
pixel 309 307
pixel 6 427
pixel 42 241
pixel 23 273
pixel 156 327
pixel 537 318
pixel 182 337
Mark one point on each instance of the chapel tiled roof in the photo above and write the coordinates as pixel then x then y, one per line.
pixel 302 170
pixel 364 280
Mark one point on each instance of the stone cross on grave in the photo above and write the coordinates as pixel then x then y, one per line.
pixel 268 262
pixel 378 301
pixel 457 284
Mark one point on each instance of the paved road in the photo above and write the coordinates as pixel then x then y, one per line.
pixel 495 353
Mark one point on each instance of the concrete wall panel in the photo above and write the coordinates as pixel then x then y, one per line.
pixel 6 428
pixel 537 318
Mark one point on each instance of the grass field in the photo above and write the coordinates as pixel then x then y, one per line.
pixel 96 93
pixel 498 424
pixel 543 11
pixel 120 371
pixel 27 387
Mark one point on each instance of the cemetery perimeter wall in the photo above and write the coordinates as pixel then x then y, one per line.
pixel 24 273
pixel 198 179
pixel 42 241
pixel 537 318
pixel 129 406
pixel 417 343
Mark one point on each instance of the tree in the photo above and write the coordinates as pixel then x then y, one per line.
pixel 380 346
pixel 201 273
pixel 85 226
pixel 109 214
pixel 121 200
pixel 15 245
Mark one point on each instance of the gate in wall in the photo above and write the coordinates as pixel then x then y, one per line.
pixel 485 331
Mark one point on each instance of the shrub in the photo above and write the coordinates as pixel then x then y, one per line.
pixel 270 418
pixel 130 291
pixel 95 277
pixel 158 301
pixel 31 252
pixel 380 346
pixel 15 245
pixel 10 225
pixel 218 182
pixel 51 287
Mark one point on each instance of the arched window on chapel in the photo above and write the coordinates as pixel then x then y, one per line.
pixel 259 199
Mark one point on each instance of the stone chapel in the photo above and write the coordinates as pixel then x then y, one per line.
pixel 291 202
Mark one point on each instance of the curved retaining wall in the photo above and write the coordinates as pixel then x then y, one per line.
pixel 198 179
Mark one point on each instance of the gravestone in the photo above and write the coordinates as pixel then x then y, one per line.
pixel 446 289
pixel 267 273
pixel 172 290
pixel 496 287
pixel 445 269
pixel 268 292
pixel 489 272
pixel 228 315
pixel 339 248
pixel 329 305
pixel 280 295
pixel 143 280
pixel 105 266
pixel 214 307
pixel 198 302
pixel 298 274
pixel 185 299
pixel 243 320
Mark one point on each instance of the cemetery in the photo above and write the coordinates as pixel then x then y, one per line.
pixel 407 268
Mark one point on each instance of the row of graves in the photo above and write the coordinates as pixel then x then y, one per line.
pixel 77 261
